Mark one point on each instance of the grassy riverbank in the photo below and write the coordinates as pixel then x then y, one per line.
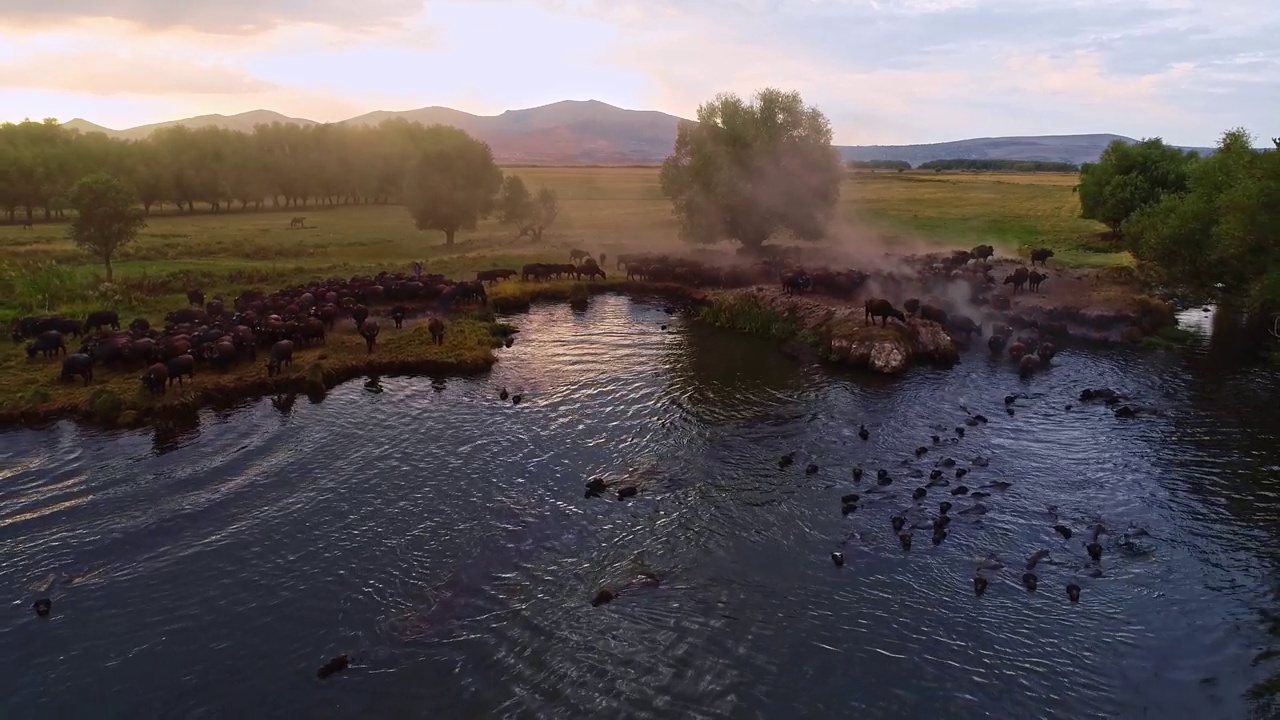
pixel 31 392
pixel 607 210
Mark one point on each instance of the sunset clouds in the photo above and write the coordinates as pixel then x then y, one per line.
pixel 885 71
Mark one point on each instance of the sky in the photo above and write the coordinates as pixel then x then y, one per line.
pixel 883 71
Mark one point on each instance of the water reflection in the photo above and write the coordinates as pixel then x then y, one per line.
pixel 440 534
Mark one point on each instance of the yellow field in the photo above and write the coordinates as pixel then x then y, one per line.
pixel 602 209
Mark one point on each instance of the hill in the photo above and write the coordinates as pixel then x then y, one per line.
pixel 589 132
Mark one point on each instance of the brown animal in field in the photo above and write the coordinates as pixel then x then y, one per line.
pixel 435 326
pixel 1034 279
pixel 369 331
pixel 1040 255
pixel 575 255
pixel 1018 279
pixel 298 222
pixel 880 308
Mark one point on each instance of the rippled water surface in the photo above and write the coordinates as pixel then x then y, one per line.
pixel 442 537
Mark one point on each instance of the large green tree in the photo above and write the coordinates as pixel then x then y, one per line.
pixel 1129 177
pixel 107 217
pixel 453 184
pixel 532 214
pixel 1225 228
pixel 747 170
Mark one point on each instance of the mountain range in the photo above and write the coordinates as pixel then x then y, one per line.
pixel 589 132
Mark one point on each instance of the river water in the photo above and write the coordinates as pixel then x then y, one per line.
pixel 442 537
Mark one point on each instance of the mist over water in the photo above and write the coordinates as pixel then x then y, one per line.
pixel 442 538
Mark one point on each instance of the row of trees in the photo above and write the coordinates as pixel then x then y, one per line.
pixel 280 165
pixel 1000 165
pixel 1205 220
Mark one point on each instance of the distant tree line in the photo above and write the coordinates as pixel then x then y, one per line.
pixel 898 165
pixel 1205 220
pixel 277 165
pixel 966 164
pixel 1000 165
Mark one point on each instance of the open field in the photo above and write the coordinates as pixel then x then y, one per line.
pixel 602 209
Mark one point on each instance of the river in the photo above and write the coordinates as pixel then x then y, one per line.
pixel 442 537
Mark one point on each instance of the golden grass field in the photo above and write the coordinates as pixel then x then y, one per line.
pixel 602 209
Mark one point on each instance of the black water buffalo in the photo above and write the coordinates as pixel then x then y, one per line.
pixel 77 364
pixel 575 255
pixel 221 354
pixel 996 344
pixel 463 292
pixel 590 269
pixel 1018 279
pixel 1034 279
pixel 880 308
pixel 1046 351
pixel 195 297
pixel 935 314
pixel 101 319
pixel 311 329
pixel 179 366
pixel 1040 255
pixel 436 327
pixel 962 325
pixel 397 315
pixel 359 313
pixel 281 355
pixel 156 379
pixel 912 306
pixel 48 343
pixel 140 326
pixel 493 276
pixel 796 282
pixel 983 252
pixel 369 331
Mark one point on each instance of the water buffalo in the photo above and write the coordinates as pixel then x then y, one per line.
pixel 962 325
pixel 462 292
pixel 179 366
pixel 996 344
pixel 1028 365
pixel 436 327
pixel 1041 255
pixel 359 313
pixel 397 315
pixel 590 269
pixel 281 355
pixel 1017 351
pixel 311 329
pixel 935 314
pixel 1018 279
pixel 101 319
pixel 369 331
pixel 983 252
pixel 1034 279
pixel 1046 351
pixel 880 308
pixel 221 355
pixel 48 343
pixel 796 282
pixel 195 297
pixel 140 326
pixel 493 276
pixel 77 364
pixel 575 255
pixel 912 306
pixel 156 379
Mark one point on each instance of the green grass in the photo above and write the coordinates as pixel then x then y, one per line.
pixel 602 209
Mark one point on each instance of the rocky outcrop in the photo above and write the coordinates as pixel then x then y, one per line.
pixel 840 332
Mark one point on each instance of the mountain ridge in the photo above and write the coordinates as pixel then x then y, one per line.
pixel 591 132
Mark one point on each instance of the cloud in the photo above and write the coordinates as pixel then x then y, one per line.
pixel 229 16
pixel 112 73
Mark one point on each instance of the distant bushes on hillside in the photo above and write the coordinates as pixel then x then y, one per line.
pixel 898 165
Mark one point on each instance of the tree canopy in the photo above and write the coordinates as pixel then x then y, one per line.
pixel 747 170
pixel 1128 177
pixel 453 184
pixel 283 165
pixel 107 216
pixel 532 214
pixel 1225 227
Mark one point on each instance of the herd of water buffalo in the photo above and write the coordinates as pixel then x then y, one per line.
pixel 213 334
pixel 220 336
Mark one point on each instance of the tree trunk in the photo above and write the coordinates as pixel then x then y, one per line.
pixel 106 262
pixel 448 236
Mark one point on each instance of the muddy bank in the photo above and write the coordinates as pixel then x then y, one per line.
pixel 838 333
